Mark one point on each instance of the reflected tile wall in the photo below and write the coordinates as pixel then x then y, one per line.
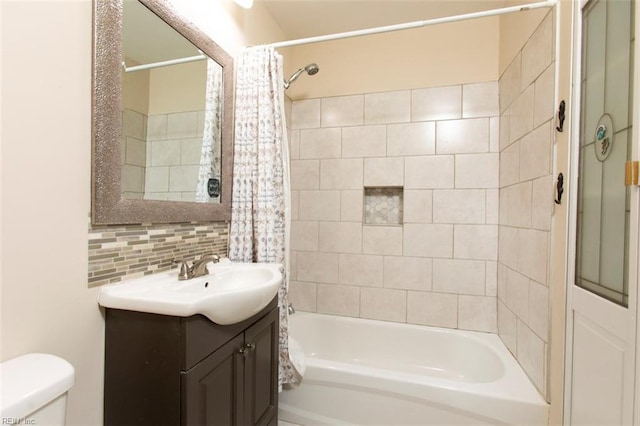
pixel 174 143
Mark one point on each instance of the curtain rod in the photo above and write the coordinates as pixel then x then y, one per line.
pixel 163 63
pixel 415 24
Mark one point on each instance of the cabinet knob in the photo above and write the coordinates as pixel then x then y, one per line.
pixel 246 348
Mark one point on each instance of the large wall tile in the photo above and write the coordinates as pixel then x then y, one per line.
pixel 493 206
pixel 383 304
pixel 342 111
pixel 519 205
pixel 378 239
pixel 338 300
pixel 293 137
pixel 532 355
pixel 538 52
pixel 462 136
pixel 361 269
pixel 341 173
pixel 364 141
pixel 408 273
pixel 303 296
pixel 417 206
pixel 435 171
pixel 459 276
pixel 509 84
pixel 542 203
pixel 387 171
pixel 305 114
pixel 304 235
pixel 459 206
pixel 521 115
pixel 305 174
pixel 491 278
pixel 319 205
pixel 518 294
pixel 351 209
pixel 476 242
pixel 182 125
pixel 480 100
pixel 477 170
pixel 340 237
pixel 539 310
pixel 507 327
pixel 508 246
pixel 510 165
pixel 437 103
pixel 157 127
pixel 428 240
pixel 317 267
pixel 533 247
pixel 543 108
pixel 183 178
pixel 320 143
pixel 478 313
pixel 435 309
pixel 387 107
pixel 535 153
pixel 411 139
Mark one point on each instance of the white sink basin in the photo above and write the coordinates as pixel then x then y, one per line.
pixel 232 292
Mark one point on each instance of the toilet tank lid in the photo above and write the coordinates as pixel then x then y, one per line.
pixel 31 381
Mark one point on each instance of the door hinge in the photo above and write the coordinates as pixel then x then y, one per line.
pixel 631 173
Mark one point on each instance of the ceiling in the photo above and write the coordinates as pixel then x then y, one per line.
pixel 308 18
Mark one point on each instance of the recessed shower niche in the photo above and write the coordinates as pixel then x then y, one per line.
pixel 383 205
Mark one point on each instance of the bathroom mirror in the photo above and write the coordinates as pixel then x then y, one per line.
pixel 162 117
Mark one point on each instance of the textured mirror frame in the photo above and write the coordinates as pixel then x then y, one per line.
pixel 107 204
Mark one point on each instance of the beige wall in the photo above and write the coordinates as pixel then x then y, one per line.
pixel 135 90
pixel 442 55
pixel 515 30
pixel 46 186
pixel 179 88
pixel 46 148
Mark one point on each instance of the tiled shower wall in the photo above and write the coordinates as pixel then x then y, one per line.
pixel 161 155
pixel 526 194
pixel 439 146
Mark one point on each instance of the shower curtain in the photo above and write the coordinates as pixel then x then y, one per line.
pixel 210 151
pixel 260 208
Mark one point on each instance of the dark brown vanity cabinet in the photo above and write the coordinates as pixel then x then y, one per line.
pixel 164 370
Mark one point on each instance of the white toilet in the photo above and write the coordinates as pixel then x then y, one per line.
pixel 33 390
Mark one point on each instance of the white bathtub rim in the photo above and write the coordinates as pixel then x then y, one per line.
pixel 503 409
pixel 528 396
pixel 295 415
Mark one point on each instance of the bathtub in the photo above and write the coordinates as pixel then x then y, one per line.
pixel 366 372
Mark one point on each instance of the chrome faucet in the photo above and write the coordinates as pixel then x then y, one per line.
pixel 197 269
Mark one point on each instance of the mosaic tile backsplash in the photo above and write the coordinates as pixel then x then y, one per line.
pixel 124 252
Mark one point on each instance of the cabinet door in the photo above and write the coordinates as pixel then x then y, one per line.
pixel 212 390
pixel 261 371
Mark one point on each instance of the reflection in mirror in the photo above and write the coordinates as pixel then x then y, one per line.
pixel 172 106
pixel 162 133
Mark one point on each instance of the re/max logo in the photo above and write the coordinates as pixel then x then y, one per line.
pixel 17 421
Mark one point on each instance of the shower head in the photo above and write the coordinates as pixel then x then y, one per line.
pixel 310 69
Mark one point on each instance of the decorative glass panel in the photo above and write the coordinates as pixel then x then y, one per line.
pixel 605 137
